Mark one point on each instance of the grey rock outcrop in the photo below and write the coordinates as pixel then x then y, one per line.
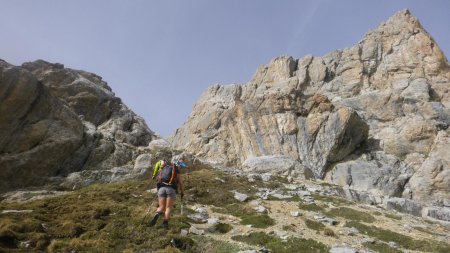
pixel 55 121
pixel 373 117
pixel 231 124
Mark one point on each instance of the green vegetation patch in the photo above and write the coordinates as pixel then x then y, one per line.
pixel 314 225
pixel 377 213
pixel 204 187
pixel 223 228
pixel 207 244
pixel 311 207
pixel 404 241
pixel 329 232
pixel 351 214
pixel 276 245
pixel 98 218
pixel 290 227
pixel 248 215
pixel 382 247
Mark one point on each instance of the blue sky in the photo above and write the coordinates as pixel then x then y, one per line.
pixel 159 56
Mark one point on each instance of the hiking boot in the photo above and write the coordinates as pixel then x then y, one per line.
pixel 165 224
pixel 154 220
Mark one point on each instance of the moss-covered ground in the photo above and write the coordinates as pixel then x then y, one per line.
pixel 111 217
pixel 114 218
pixel 404 241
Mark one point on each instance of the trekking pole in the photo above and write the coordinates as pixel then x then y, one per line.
pixel 148 209
pixel 182 206
pixel 146 213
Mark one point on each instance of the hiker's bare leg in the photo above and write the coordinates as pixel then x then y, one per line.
pixel 169 204
pixel 162 205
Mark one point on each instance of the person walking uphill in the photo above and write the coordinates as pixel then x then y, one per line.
pixel 168 180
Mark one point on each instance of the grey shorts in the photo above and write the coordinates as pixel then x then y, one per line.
pixel 167 192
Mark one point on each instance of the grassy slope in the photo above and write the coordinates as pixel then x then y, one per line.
pixel 108 218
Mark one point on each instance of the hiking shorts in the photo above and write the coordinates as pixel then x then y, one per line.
pixel 167 192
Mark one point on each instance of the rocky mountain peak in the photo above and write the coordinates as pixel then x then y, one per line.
pixel 373 117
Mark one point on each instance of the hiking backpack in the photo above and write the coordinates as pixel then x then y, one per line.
pixel 168 175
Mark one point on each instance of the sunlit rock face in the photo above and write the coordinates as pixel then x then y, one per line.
pixel 373 117
pixel 55 120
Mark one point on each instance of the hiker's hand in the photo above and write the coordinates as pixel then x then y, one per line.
pixel 153 177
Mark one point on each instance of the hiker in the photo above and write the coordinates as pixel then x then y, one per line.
pixel 168 180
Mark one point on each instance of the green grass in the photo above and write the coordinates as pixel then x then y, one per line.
pixel 314 225
pixel 351 214
pixel 209 191
pixel 276 245
pixel 222 228
pixel 107 217
pixel 290 227
pixel 424 230
pixel 257 220
pixel 94 219
pixel 381 247
pixel 404 241
pixel 248 215
pixel 207 244
pixel 311 207
pixel 393 216
pixel 329 232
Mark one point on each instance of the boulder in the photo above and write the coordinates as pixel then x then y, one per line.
pixel 196 231
pixel 142 163
pixel 240 196
pixel 437 213
pixel 403 205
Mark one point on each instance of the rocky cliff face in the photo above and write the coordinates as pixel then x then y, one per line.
pixel 55 121
pixel 373 117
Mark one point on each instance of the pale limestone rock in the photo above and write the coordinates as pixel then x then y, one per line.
pixel 265 164
pixel 431 182
pixel 143 162
pixel 196 231
pixel 403 205
pixel 390 92
pixel 240 196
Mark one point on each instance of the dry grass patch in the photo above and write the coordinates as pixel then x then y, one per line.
pixel 351 214
pixel 277 245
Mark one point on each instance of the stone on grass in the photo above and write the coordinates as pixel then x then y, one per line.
pixel 240 196
pixel 184 232
pixel 200 215
pixel 212 221
pixel 260 209
pixel 343 249
pixel 196 231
